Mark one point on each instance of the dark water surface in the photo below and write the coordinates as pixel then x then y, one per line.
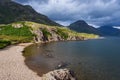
pixel 90 60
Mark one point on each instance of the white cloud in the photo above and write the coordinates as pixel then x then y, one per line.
pixel 117 27
pixel 65 23
pixel 94 25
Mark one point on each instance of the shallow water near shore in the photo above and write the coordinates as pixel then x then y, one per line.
pixel 90 59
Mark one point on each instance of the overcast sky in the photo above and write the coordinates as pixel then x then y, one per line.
pixel 95 12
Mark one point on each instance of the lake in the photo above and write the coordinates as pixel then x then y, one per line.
pixel 97 59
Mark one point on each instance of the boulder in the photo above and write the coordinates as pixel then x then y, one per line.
pixel 61 74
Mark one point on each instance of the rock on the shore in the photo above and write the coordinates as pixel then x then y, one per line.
pixel 61 74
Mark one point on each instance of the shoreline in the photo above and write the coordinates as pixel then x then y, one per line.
pixel 12 63
pixel 12 66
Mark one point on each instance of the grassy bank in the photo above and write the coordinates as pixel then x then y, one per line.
pixel 20 32
pixel 9 34
pixel 64 32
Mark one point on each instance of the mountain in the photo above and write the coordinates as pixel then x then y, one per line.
pixel 82 26
pixel 11 11
pixel 109 31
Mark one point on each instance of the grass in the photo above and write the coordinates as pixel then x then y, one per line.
pixel 9 30
pixel 25 31
pixel 10 33
pixel 4 43
pixel 62 33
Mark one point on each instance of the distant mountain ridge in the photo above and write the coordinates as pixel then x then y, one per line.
pixel 109 31
pixel 11 11
pixel 82 26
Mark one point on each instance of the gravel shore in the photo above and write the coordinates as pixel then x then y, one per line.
pixel 12 66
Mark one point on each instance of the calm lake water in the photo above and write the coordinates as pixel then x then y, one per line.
pixel 90 60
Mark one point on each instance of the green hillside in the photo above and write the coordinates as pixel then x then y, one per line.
pixel 20 32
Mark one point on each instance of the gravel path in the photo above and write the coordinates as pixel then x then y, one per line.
pixel 12 66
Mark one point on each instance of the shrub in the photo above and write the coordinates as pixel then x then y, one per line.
pixel 61 32
pixel 46 34
pixel 4 43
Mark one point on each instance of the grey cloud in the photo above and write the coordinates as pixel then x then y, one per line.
pixel 97 12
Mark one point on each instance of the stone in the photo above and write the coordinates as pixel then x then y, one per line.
pixel 62 65
pixel 60 74
pixel 17 25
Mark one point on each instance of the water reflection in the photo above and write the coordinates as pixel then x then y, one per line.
pixel 90 60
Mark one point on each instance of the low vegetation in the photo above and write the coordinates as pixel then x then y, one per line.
pixel 4 43
pixel 20 32
pixel 46 33
pixel 11 33
pixel 62 33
